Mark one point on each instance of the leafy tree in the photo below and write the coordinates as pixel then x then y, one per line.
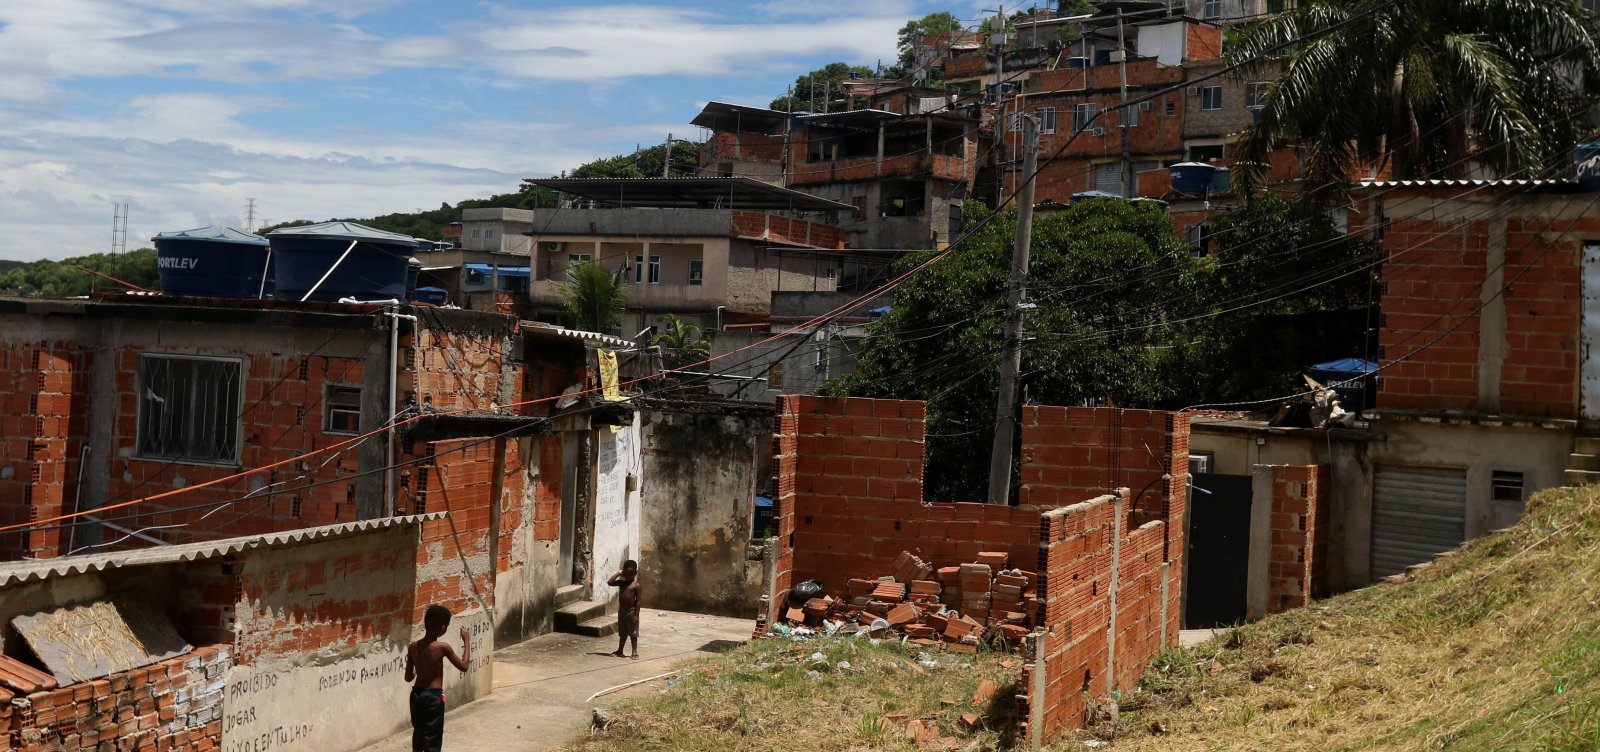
pixel 1098 271
pixel 931 25
pixel 63 278
pixel 594 297
pixel 824 82
pixel 681 343
pixel 1428 86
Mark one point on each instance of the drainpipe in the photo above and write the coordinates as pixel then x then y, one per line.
pixel 394 378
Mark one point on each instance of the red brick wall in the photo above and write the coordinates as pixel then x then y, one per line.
pixel 752 147
pixel 43 404
pixel 1204 42
pixel 1432 279
pixel 172 705
pixel 547 489
pixel 1544 313
pixel 1299 537
pixel 785 229
pixel 850 500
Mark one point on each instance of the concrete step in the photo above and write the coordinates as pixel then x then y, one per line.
pixel 1582 477
pixel 566 596
pixel 1586 445
pixel 1577 461
pixel 604 626
pixel 570 617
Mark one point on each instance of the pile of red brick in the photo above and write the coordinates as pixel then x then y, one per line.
pixel 961 607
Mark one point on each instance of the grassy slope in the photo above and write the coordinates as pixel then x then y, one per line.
pixel 1496 647
pixel 763 697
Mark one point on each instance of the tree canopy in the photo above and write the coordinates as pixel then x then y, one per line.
pixel 63 279
pixel 594 297
pixel 1432 88
pixel 931 25
pixel 812 90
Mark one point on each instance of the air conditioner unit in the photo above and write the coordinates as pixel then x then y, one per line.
pixel 1145 107
pixel 1099 131
pixel 553 247
pixel 1193 91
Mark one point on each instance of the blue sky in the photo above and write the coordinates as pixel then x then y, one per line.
pixel 185 108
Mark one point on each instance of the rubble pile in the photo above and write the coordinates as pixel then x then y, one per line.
pixel 958 608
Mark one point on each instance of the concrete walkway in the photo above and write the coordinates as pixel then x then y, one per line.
pixel 540 686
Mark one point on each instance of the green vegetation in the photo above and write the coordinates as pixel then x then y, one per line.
pixel 812 89
pixel 931 25
pixel 1496 646
pixel 1430 88
pixel 775 695
pixel 681 343
pixel 63 279
pixel 1125 315
pixel 594 297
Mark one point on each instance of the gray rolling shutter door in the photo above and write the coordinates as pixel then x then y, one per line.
pixel 1417 512
pixel 1108 178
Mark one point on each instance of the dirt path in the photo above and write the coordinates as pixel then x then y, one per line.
pixel 540 686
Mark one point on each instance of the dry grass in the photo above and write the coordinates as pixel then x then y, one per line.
pixel 765 696
pixel 1495 647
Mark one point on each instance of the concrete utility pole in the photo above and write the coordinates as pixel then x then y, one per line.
pixel 666 157
pixel 1122 114
pixel 1005 411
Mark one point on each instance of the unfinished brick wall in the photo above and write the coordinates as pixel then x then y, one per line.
pixel 850 500
pixel 172 705
pixel 452 559
pixel 1299 537
pixel 547 488
pixel 1438 270
pixel 42 428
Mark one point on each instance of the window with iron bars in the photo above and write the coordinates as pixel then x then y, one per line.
pixel 189 408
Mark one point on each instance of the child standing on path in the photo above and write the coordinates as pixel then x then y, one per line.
pixel 628 614
pixel 425 669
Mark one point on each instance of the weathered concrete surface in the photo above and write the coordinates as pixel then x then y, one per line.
pixel 541 686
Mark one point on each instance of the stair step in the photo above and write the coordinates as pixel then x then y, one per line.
pixel 572 616
pixel 604 626
pixel 1586 445
pixel 1582 477
pixel 566 596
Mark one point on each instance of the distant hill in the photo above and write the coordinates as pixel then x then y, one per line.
pixel 63 279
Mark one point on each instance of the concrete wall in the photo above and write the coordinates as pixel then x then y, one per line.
pixel 617 508
pixel 701 468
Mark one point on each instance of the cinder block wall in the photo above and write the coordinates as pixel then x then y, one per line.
pixel 850 500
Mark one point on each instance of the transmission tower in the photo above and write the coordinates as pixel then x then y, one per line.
pixel 249 215
pixel 119 227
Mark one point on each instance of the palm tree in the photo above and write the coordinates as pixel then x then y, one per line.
pixel 681 343
pixel 594 297
pixel 1433 88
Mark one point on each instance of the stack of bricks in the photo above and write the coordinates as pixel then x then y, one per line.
pixel 172 705
pixel 953 611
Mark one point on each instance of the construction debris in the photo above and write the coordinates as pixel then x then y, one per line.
pixel 959 607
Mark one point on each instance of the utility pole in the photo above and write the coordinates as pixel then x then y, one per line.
pixel 666 156
pixel 1122 113
pixel 1001 126
pixel 1005 417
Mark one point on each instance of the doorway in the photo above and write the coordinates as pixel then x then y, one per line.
pixel 1218 550
pixel 570 476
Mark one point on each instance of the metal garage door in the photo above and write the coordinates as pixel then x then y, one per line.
pixel 1108 178
pixel 1416 512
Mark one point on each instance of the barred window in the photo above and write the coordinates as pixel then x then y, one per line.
pixel 189 408
pixel 343 410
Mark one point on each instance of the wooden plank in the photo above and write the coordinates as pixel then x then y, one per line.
pixel 86 641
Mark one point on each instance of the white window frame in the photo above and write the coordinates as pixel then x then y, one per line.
pixel 477 233
pixel 638 269
pixel 1083 115
pixel 1130 117
pixel 697 271
pixel 1047 119
pixel 1207 103
pixel 1255 94
pixel 1170 107
pixel 329 409
pixel 573 259
pixel 1211 9
pixel 143 452
pixel 655 270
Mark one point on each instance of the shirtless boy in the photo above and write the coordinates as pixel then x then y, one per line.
pixel 425 670
pixel 628 615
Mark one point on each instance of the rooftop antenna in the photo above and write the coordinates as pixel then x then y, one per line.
pixel 119 227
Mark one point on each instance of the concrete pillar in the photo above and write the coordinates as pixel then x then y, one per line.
pixel 1259 569
pixel 1492 319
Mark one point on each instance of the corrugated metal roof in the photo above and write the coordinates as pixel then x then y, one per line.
pixel 595 338
pixel 1556 183
pixel 44 569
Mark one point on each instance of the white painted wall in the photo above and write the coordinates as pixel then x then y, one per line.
pixel 616 509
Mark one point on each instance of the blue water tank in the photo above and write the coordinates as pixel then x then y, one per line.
pixel 431 295
pixel 375 265
pixel 1077 62
pixel 1192 177
pixel 213 262
pixel 1351 378
pixel 1221 181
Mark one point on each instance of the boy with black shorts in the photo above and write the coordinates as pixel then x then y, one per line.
pixel 425 670
pixel 628 613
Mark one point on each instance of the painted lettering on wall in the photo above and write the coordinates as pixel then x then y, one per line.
pixel 277 738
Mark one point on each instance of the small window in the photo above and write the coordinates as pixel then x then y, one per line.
pixel 1170 107
pixel 1199 237
pixel 1201 462
pixel 1129 116
pixel 1211 9
pixel 1082 116
pixel 1211 98
pixel 638 269
pixel 655 270
pixel 573 259
pixel 1205 153
pixel 1047 119
pixel 832 272
pixel 775 376
pixel 189 408
pixel 342 406
pixel 697 271
pixel 477 234
pixel 1255 95
pixel 487 234
pixel 1506 486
